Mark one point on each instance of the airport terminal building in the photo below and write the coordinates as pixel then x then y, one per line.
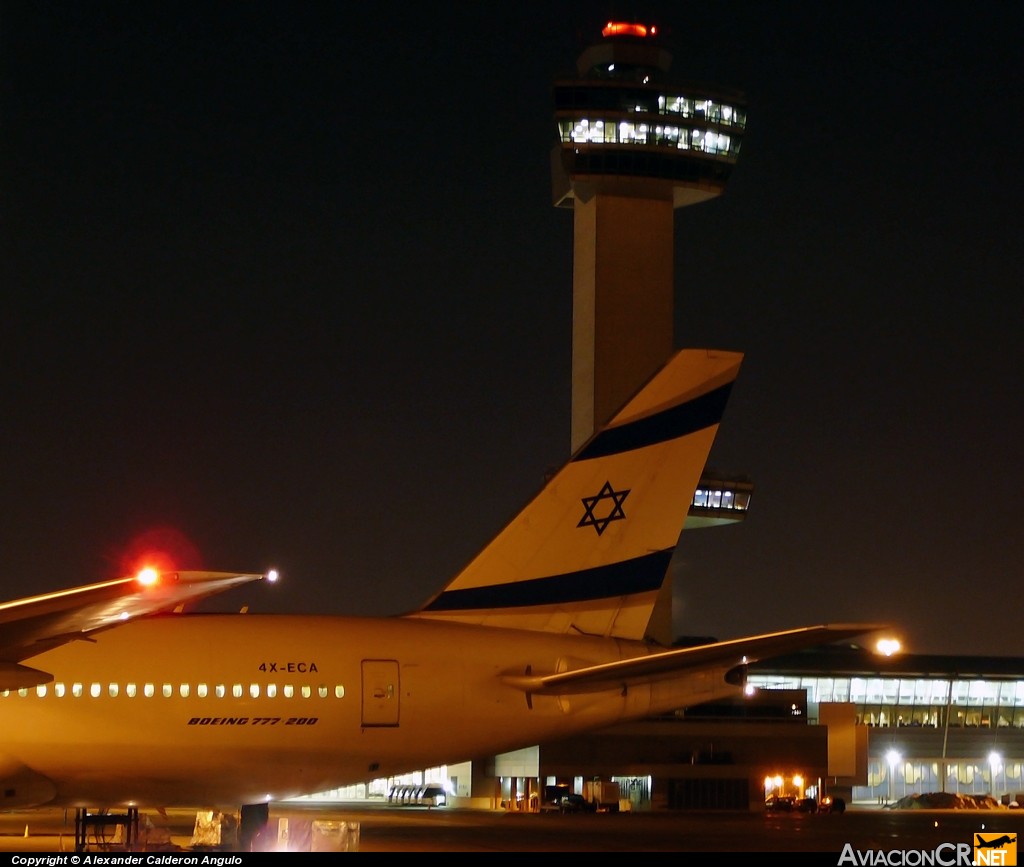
pixel 932 723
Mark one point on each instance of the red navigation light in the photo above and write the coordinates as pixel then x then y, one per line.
pixel 147 576
pixel 621 28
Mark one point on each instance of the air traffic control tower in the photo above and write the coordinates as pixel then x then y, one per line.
pixel 632 147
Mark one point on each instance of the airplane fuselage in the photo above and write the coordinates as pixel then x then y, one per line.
pixel 221 710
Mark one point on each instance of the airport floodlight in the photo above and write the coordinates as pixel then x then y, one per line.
pixel 887 646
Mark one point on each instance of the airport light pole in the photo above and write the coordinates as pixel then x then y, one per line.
pixel 994 761
pixel 893 758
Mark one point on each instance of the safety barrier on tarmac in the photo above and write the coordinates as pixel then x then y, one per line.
pixel 217 831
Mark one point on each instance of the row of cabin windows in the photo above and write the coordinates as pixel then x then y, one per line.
pixel 167 690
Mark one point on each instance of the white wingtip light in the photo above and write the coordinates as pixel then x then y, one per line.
pixel 273 575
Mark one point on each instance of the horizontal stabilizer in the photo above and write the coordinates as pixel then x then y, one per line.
pixel 14 676
pixel 38 623
pixel 669 663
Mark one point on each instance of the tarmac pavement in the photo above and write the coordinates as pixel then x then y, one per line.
pixel 378 828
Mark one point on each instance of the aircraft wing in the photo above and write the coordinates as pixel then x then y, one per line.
pixel 676 661
pixel 38 623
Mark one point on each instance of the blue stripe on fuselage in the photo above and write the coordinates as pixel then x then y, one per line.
pixel 603 582
pixel 674 422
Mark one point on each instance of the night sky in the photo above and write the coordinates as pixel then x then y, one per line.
pixel 282 285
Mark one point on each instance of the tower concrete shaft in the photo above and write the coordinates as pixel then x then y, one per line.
pixel 622 303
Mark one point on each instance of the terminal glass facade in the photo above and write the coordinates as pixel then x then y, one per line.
pixel 927 734
pixel 889 781
pixel 907 701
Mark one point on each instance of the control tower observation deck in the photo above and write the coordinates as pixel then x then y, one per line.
pixel 632 147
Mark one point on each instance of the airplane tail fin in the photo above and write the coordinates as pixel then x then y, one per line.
pixel 590 552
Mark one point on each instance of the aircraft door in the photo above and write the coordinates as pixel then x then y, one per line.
pixel 380 692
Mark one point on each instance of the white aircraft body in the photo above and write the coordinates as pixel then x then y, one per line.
pixel 110 697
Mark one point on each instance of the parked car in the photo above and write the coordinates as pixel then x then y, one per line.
pixel 780 803
pixel 832 805
pixel 550 801
pixel 574 804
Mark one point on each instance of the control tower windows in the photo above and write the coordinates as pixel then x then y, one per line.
pixel 598 100
pixel 607 131
pixel 721 498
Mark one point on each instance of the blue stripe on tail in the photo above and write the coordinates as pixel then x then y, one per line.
pixel 677 421
pixel 616 579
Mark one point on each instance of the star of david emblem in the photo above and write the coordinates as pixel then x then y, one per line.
pixel 606 511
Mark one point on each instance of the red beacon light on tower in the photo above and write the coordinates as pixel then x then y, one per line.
pixel 621 28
